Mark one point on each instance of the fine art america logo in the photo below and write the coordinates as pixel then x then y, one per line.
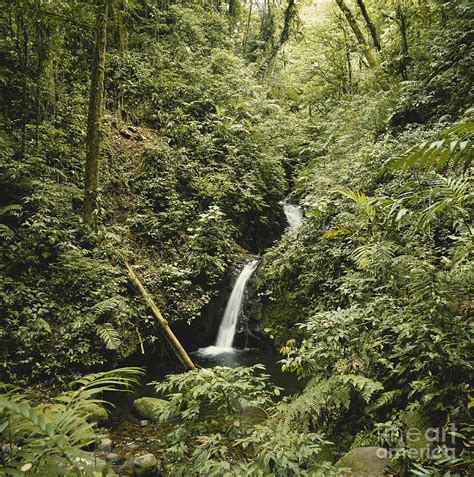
pixel 417 443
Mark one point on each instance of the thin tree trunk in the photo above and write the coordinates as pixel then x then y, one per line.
pixel 178 349
pixel 22 46
pixel 247 30
pixel 284 35
pixel 370 25
pixel 349 63
pixel 122 44
pixel 402 23
pixel 91 185
pixel 369 56
pixel 122 37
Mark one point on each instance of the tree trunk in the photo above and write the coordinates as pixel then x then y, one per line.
pixel 178 349
pixel 369 56
pixel 402 23
pixel 91 185
pixel 289 14
pixel 247 30
pixel 122 37
pixel 370 25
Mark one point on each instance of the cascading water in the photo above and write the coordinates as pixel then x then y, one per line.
pixel 228 326
pixel 293 213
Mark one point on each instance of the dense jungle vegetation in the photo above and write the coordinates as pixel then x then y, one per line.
pixel 165 135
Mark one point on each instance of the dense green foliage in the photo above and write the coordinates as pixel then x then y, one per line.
pixel 379 276
pixel 229 426
pixel 214 113
pixel 183 192
pixel 49 439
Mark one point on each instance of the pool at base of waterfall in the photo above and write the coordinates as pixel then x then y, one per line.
pixel 232 357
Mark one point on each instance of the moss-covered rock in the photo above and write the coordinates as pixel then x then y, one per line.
pixel 150 408
pixel 366 462
pixel 96 413
pixel 145 465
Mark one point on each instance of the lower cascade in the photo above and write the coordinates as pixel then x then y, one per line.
pixel 228 326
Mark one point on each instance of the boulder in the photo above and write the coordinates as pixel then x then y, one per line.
pixel 96 413
pixel 105 445
pixel 366 462
pixel 145 465
pixel 114 458
pixel 148 407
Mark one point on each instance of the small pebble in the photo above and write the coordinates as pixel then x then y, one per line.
pixel 144 423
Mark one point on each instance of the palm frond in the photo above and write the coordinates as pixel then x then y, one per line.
pixel 362 201
pixel 454 147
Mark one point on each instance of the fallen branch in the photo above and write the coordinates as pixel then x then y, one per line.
pixel 179 351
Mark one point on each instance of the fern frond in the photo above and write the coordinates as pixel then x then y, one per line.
pixel 109 335
pixel 6 233
pixel 12 210
pixel 374 254
pixel 386 398
pixel 109 304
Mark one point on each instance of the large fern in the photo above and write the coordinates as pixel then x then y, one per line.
pixel 53 436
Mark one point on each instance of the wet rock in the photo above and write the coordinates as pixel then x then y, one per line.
pixel 105 445
pixel 145 465
pixel 114 458
pixel 367 462
pixel 149 408
pixel 125 133
pixel 96 413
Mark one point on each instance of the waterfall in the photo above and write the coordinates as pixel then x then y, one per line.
pixel 228 326
pixel 293 213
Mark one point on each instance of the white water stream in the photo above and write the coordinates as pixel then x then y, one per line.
pixel 228 327
pixel 293 213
